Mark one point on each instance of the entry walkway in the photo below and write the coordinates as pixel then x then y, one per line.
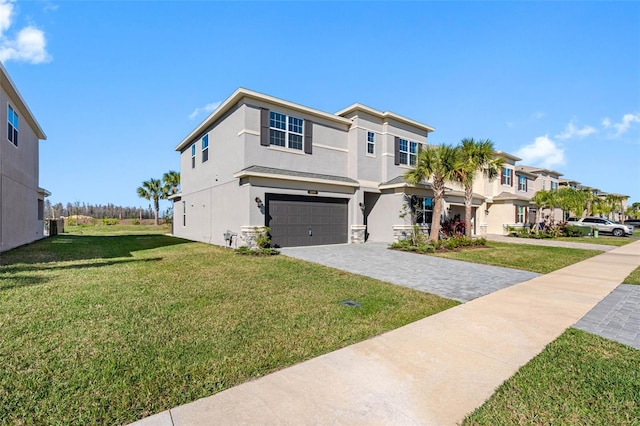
pixel 549 242
pixel 430 372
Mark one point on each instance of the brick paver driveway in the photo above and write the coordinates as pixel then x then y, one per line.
pixel 448 278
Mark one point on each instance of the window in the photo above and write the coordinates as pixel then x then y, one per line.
pixel 520 212
pixel 40 209
pixel 12 127
pixel 423 209
pixel 408 152
pixel 193 156
pixel 205 148
pixel 371 143
pixel 554 185
pixel 184 213
pixel 506 176
pixel 285 131
pixel 522 183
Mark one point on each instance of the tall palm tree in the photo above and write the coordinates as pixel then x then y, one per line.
pixel 439 163
pixel 541 200
pixel 476 156
pixel 153 189
pixel 171 180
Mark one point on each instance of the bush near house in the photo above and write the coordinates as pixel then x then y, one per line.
pixel 419 244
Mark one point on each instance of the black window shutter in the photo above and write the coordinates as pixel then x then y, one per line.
pixel 264 127
pixel 502 177
pixel 511 176
pixel 308 136
pixel 516 221
pixel 397 151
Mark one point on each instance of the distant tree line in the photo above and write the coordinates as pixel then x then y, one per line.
pixel 97 211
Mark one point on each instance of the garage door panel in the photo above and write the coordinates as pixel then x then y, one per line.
pixel 291 217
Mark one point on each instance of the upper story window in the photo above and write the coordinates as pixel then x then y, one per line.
pixel 408 151
pixel 522 183
pixel 371 143
pixel 205 148
pixel 285 130
pixel 505 177
pixel 554 185
pixel 193 156
pixel 12 127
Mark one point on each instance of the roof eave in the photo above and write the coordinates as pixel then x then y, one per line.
pixel 245 173
pixel 241 93
pixel 15 94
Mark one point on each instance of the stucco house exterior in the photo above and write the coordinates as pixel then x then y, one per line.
pixel 21 199
pixel 312 177
pixel 315 177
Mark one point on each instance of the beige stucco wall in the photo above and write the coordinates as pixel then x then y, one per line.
pixel 19 175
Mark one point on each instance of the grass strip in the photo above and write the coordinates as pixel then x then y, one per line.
pixel 579 379
pixel 541 259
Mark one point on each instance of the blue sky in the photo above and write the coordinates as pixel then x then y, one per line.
pixel 116 85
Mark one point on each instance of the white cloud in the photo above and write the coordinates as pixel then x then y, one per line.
pixel 626 122
pixel 29 44
pixel 208 108
pixel 571 131
pixel 606 123
pixel 6 12
pixel 543 152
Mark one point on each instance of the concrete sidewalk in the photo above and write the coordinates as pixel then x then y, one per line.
pixel 550 242
pixel 431 372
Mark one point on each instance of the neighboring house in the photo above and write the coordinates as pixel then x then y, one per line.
pixel 547 180
pixel 21 199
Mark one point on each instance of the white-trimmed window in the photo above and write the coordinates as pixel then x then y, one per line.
pixel 193 156
pixel 408 152
pixel 286 131
pixel 554 185
pixel 505 178
pixel 205 148
pixel 12 125
pixel 522 183
pixel 371 143
pixel 520 213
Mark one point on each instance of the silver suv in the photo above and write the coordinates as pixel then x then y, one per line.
pixel 605 225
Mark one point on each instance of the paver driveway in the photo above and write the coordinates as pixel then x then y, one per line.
pixel 448 278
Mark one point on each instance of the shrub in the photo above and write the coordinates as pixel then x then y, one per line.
pixel 71 221
pixel 244 250
pixel 136 222
pixel 107 221
pixel 263 239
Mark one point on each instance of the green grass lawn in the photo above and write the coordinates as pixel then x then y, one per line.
pixel 532 258
pixel 110 324
pixel 579 379
pixel 633 278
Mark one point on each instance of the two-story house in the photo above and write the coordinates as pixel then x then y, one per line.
pixel 21 199
pixel 312 177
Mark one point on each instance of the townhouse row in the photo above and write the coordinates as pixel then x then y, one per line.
pixel 317 178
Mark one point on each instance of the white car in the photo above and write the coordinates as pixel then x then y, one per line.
pixel 605 225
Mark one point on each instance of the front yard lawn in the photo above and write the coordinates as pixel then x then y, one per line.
pixel 579 379
pixel 106 329
pixel 532 258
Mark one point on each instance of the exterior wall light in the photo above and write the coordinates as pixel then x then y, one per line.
pixel 259 203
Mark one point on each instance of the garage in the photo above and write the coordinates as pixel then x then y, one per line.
pixel 297 220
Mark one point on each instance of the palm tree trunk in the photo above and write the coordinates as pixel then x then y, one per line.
pixel 438 192
pixel 156 205
pixel 468 198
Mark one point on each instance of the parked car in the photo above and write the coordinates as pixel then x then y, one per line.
pixel 605 225
pixel 632 222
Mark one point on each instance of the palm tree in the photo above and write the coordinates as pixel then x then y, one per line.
pixel 153 189
pixel 439 163
pixel 541 200
pixel 171 180
pixel 476 156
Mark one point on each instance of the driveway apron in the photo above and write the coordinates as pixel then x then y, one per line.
pixel 453 279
